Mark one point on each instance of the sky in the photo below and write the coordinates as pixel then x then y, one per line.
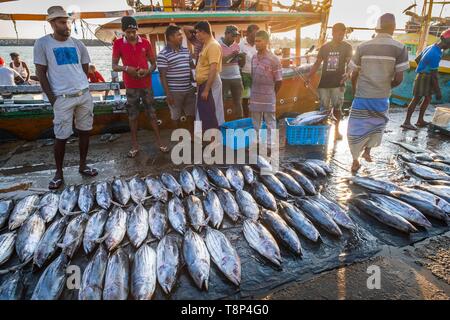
pixel 356 13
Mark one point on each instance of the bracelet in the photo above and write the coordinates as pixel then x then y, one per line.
pixel 126 68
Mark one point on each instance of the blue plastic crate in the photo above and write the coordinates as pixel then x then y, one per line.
pixel 158 90
pixel 236 136
pixel 306 135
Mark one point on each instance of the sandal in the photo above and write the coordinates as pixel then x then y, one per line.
pixel 163 149
pixel 55 183
pixel 132 153
pixel 422 124
pixel 88 172
pixel 408 127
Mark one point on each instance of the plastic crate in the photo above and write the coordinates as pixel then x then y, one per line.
pixel 306 135
pixel 235 133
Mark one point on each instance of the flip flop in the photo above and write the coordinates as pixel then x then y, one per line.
pixel 164 149
pixel 132 153
pixel 408 127
pixel 422 125
pixel 88 172
pixel 55 183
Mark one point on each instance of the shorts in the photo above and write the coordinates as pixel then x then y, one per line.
pixel 134 98
pixel 69 110
pixel 331 98
pixel 184 102
pixel 423 85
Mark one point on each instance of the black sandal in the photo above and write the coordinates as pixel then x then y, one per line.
pixel 88 172
pixel 55 183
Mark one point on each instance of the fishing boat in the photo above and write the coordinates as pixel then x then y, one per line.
pixel 32 119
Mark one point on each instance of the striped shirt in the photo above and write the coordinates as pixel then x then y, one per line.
pixel 377 61
pixel 178 66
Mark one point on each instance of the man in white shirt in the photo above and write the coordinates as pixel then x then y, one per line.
pixel 247 46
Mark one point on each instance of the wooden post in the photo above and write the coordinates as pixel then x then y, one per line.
pixel 324 25
pixel 298 45
pixel 423 40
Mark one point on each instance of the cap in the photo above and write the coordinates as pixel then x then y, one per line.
pixel 445 35
pixel 56 12
pixel 385 21
pixel 232 29
pixel 129 23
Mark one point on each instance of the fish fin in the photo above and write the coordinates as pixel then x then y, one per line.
pixel 117 204
pixel 101 239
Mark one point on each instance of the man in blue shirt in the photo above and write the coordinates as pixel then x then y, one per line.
pixel 426 83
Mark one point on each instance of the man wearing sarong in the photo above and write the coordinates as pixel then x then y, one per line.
pixel 377 66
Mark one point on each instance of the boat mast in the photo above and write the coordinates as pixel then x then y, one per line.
pixel 424 31
pixel 324 25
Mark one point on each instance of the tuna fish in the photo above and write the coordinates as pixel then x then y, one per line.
pixel 117 276
pixel 321 173
pixel 74 235
pixel 213 209
pixel 137 225
pixel 167 262
pixel 143 273
pixel 197 258
pixel 438 201
pixel 263 164
pixel 247 205
pixel 177 215
pixel 28 237
pixel 48 206
pixel 229 204
pixel 304 182
pixel 373 185
pixel 156 189
pixel 121 191
pixel 441 191
pixel 335 212
pixel 138 190
pixel 187 182
pixel 94 230
pixel 292 186
pixel 7 244
pixel 437 166
pixel 22 211
pixel 282 231
pixel 306 169
pixel 274 185
pixel 319 216
pixel 325 166
pixel 260 239
pixel 86 198
pixel 48 245
pixel 235 177
pixel 217 177
pixel 311 119
pixel 410 147
pixel 68 200
pixel 248 174
pixel 93 276
pixel 52 281
pixel 12 287
pixel 103 195
pixel 171 184
pixel 296 219
pixel 196 213
pixel 224 255
pixel 157 220
pixel 201 179
pixel 427 173
pixel 263 196
pixel 6 207
pixel 115 228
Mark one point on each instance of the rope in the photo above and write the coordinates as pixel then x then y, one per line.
pixel 93 33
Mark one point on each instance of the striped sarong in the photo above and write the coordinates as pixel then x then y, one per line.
pixel 366 124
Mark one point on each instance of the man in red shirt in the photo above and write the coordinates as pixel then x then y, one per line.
pixel 135 53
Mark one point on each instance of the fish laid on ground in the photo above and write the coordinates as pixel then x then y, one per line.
pixel 378 186
pixel 177 215
pixel 22 211
pixel 235 177
pixel 385 217
pixel 6 206
pixel 282 231
pixel 336 212
pixel 121 191
pixel 195 213
pixel 201 179
pixel 103 195
pixel 213 209
pixel 187 182
pixel 304 182
pixel 325 166
pixel 138 190
pixel 86 198
pixel 306 169
pixel 52 281
pixel 410 147
pixel 247 204
pixel 428 196
pixel 229 204
pixel 260 239
pixel 28 237
pixel 115 228
pixel 441 191
pixel 7 244
pixel 427 173
pixel 48 206
pixel 167 262
pixel 74 235
pixel 143 273
pixel 12 286
pixel 426 207
pixel 197 259
pixel 171 184
pixel 437 166
pixel 249 175
pixel 296 219
pixel 156 189
pixel 217 177
pixel 319 216
pixel 224 255
pixel 68 200
pixel 274 185
pixel 439 182
pixel 48 245
pixel 264 165
pixel 263 196
pixel 157 220
pixel 137 225
pixel 91 287
pixel 321 173
pixel 292 186
pixel 94 230
pixel 116 285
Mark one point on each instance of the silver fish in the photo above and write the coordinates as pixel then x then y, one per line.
pixel 187 182
pixel 213 209
pixel 427 173
pixel 7 243
pixel 437 166
pixel 410 147
pixel 6 207
pixel 306 169
pixel 48 245
pixel 22 211
pixel 138 190
pixel 428 196
pixel 217 177
pixel 143 273
pixel 74 235
pixel 201 179
pixel 306 184
pixel 86 198
pixel 94 230
pixel 263 196
pixel 290 183
pixel 171 184
pixel 248 174
pixel 167 262
pixel 427 207
pixel 260 239
pixel 93 276
pixel 274 185
pixel 103 195
pixel 224 255
pixel 121 191
pixel 306 115
pixel 177 215
pixel 28 237
pixel 12 287
pixel 229 204
pixel 117 276
pixel 378 186
pixel 440 191
pixel 137 225
pixel 317 168
pixel 235 177
pixel 195 213
pixel 325 166
pixel 319 216
pixel 48 206
pixel 156 189
pixel 157 220
pixel 115 228
pixel 247 204
pixel 197 259
pixel 68 200
pixel 263 164
pixel 52 281
pixel 296 219
pixel 312 119
pixel 336 212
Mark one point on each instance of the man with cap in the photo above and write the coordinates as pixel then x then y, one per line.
pixel 427 82
pixel 377 67
pixel 135 53
pixel 62 64
pixel 231 75
pixel 335 56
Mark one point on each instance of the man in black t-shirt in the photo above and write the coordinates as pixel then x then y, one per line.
pixel 335 56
